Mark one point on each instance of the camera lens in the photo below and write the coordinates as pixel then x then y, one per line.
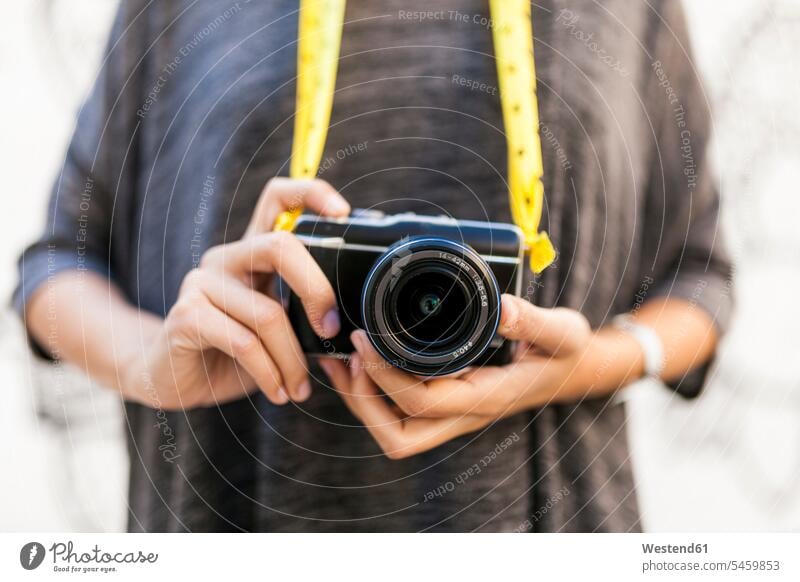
pixel 430 305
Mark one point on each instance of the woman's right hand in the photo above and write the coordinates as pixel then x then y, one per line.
pixel 224 337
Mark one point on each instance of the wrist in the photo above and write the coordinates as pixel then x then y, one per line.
pixel 611 360
pixel 622 357
pixel 139 338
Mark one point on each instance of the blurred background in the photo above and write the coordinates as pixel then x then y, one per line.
pixel 729 461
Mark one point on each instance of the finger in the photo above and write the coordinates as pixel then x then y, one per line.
pixel 431 398
pixel 490 391
pixel 407 390
pixel 282 194
pixel 282 253
pixel 423 434
pixel 384 423
pixel 267 319
pixel 557 331
pixel 365 399
pixel 206 326
pixel 341 377
pixel 400 437
pixel 337 373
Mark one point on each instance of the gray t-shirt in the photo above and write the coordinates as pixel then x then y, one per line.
pixel 192 114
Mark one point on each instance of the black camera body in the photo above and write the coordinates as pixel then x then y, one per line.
pixel 426 289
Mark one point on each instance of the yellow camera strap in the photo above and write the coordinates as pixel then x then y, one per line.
pixel 516 74
pixel 317 58
pixel 319 40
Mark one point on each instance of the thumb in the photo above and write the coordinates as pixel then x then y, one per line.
pixel 558 331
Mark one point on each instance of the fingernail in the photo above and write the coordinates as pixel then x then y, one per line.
pixel 355 363
pixel 509 313
pixel 330 323
pixel 355 338
pixel 339 205
pixel 303 392
pixel 281 397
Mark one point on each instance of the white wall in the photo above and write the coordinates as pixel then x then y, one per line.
pixel 62 454
pixel 729 461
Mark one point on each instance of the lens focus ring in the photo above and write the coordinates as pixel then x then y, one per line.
pixel 430 306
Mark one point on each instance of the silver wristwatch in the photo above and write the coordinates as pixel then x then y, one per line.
pixel 652 347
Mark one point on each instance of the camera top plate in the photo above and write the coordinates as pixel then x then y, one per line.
pixel 375 229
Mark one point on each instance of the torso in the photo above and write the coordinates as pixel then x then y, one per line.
pixel 407 133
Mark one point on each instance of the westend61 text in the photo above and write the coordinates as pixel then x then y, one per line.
pixel 673 549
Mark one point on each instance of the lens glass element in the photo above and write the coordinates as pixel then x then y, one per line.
pixel 431 306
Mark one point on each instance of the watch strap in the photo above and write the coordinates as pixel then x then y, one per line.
pixel 651 344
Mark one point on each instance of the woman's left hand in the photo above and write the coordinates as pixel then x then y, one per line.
pixel 426 412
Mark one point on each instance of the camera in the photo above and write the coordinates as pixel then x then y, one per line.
pixel 425 289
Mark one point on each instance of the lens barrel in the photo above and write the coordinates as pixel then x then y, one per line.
pixel 430 305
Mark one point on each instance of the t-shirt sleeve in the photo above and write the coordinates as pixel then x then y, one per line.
pixel 685 250
pixel 81 205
